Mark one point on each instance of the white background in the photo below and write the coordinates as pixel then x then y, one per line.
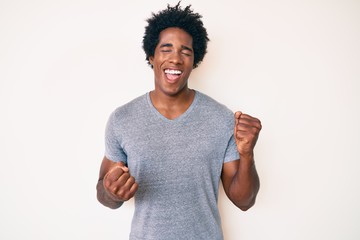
pixel 65 65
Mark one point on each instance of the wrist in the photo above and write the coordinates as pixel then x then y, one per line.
pixel 249 156
pixel 247 159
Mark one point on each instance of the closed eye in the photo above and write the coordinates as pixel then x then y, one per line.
pixel 187 50
pixel 166 47
pixel 187 53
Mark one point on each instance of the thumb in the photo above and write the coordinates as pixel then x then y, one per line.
pixel 122 166
pixel 117 166
pixel 237 116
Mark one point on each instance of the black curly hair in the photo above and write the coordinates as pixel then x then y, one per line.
pixel 184 19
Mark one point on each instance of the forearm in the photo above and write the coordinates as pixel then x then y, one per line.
pixel 245 184
pixel 104 198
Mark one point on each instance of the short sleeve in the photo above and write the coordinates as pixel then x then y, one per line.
pixel 113 149
pixel 231 153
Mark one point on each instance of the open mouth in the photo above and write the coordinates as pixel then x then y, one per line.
pixel 172 74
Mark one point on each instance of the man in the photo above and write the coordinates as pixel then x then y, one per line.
pixel 170 147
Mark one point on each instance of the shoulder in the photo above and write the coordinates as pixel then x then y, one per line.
pixel 213 106
pixel 127 114
pixel 134 106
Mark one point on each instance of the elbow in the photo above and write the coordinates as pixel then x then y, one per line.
pixel 244 204
pixel 244 201
pixel 246 207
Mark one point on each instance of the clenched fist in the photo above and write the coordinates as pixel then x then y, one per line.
pixel 246 133
pixel 119 184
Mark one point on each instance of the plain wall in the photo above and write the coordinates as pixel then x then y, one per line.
pixel 65 65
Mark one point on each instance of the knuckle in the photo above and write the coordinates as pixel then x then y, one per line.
pixel 132 179
pixel 126 196
pixel 135 187
pixel 125 175
pixel 113 189
pixel 106 183
pixel 120 193
pixel 258 123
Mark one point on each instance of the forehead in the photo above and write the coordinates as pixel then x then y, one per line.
pixel 175 35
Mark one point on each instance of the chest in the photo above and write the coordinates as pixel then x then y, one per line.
pixel 164 152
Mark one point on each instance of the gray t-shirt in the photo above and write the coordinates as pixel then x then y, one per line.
pixel 177 164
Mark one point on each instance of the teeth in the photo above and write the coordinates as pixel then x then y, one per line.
pixel 170 71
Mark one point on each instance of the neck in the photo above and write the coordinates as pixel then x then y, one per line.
pixel 172 106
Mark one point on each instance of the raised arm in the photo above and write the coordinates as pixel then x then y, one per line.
pixel 240 179
pixel 115 184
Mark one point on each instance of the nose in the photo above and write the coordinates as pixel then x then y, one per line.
pixel 176 58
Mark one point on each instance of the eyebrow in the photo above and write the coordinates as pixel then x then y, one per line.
pixel 170 45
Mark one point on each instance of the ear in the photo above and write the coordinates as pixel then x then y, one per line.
pixel 151 60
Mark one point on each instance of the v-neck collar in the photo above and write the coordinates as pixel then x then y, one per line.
pixel 177 119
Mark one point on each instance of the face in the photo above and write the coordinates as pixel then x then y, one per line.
pixel 172 61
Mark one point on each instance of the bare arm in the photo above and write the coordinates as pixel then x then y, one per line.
pixel 241 183
pixel 240 179
pixel 115 184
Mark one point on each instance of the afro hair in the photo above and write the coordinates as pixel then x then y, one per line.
pixel 184 19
